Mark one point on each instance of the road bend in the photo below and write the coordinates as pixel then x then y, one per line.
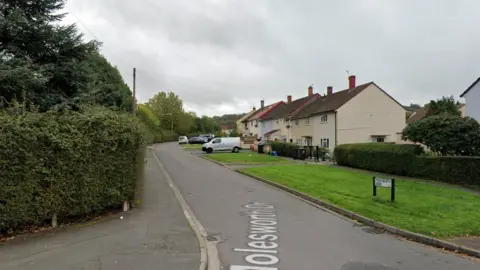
pixel 262 228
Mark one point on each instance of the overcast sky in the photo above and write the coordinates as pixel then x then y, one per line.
pixel 224 56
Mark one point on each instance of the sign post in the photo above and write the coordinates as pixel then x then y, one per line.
pixel 385 183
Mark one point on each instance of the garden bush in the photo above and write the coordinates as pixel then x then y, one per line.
pixel 72 164
pixel 284 149
pixel 407 160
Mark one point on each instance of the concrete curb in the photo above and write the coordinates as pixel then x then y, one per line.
pixel 356 217
pixel 244 164
pixel 209 259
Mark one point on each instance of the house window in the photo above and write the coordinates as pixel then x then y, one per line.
pixel 378 138
pixel 256 122
pixel 277 121
pixel 285 119
pixel 299 141
pixel 246 125
pixel 297 122
pixel 325 143
pixel 324 118
pixel 307 121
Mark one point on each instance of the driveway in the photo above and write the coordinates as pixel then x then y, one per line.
pixel 265 228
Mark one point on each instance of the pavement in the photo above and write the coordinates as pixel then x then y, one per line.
pixel 154 236
pixel 257 227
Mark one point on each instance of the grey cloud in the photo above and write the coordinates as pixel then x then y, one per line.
pixel 213 53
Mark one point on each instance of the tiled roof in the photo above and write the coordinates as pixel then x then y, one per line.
pixel 260 113
pixel 286 108
pixel 330 102
pixel 422 113
pixel 417 115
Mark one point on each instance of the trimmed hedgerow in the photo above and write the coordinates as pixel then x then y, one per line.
pixel 407 160
pixel 72 164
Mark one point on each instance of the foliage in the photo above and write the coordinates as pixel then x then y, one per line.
pixel 284 149
pixel 72 164
pixel 446 134
pixel 419 207
pixel 151 122
pixel 229 120
pixel 50 65
pixel 445 105
pixel 404 160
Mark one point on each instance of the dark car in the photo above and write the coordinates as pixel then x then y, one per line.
pixel 197 140
pixel 208 136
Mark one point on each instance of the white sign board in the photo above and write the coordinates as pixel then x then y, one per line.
pixel 379 182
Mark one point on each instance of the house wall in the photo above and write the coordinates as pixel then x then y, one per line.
pixel 267 126
pixel 472 102
pixel 254 130
pixel 281 124
pixel 463 111
pixel 298 132
pixel 371 112
pixel 324 130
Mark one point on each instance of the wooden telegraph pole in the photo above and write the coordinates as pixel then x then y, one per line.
pixel 134 107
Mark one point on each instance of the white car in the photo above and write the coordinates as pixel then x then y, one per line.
pixel 231 144
pixel 182 140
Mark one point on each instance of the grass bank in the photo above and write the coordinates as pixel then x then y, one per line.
pixel 244 157
pixel 431 210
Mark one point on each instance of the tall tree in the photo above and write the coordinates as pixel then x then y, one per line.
pixel 445 105
pixel 49 64
pixel 169 109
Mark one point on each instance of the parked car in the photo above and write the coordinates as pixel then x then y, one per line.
pixel 231 144
pixel 197 140
pixel 208 136
pixel 182 140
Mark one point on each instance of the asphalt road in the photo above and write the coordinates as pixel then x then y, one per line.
pixel 265 228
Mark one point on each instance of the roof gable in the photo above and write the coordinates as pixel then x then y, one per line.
pixel 336 100
pixel 285 109
pixel 470 87
pixel 330 102
pixel 260 113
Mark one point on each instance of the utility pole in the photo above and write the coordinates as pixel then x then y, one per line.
pixel 134 107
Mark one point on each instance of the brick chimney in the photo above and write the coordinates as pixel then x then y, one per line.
pixel 351 82
pixel 289 99
pixel 329 90
pixel 262 104
pixel 310 91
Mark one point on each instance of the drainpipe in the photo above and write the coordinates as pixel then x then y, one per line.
pixel 335 124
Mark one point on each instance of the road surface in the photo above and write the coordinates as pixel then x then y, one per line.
pixel 261 228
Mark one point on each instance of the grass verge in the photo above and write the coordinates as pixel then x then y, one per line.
pixel 244 157
pixel 431 210
pixel 191 146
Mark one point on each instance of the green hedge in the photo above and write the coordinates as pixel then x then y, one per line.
pixel 73 164
pixel 284 149
pixel 406 160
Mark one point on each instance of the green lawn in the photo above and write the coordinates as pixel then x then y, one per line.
pixel 192 146
pixel 432 210
pixel 244 157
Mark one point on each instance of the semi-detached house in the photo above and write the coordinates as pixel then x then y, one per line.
pixel 363 113
pixel 275 123
pixel 252 124
pixel 472 100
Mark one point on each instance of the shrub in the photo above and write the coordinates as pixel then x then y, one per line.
pixel 73 164
pixel 446 134
pixel 284 149
pixel 405 160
